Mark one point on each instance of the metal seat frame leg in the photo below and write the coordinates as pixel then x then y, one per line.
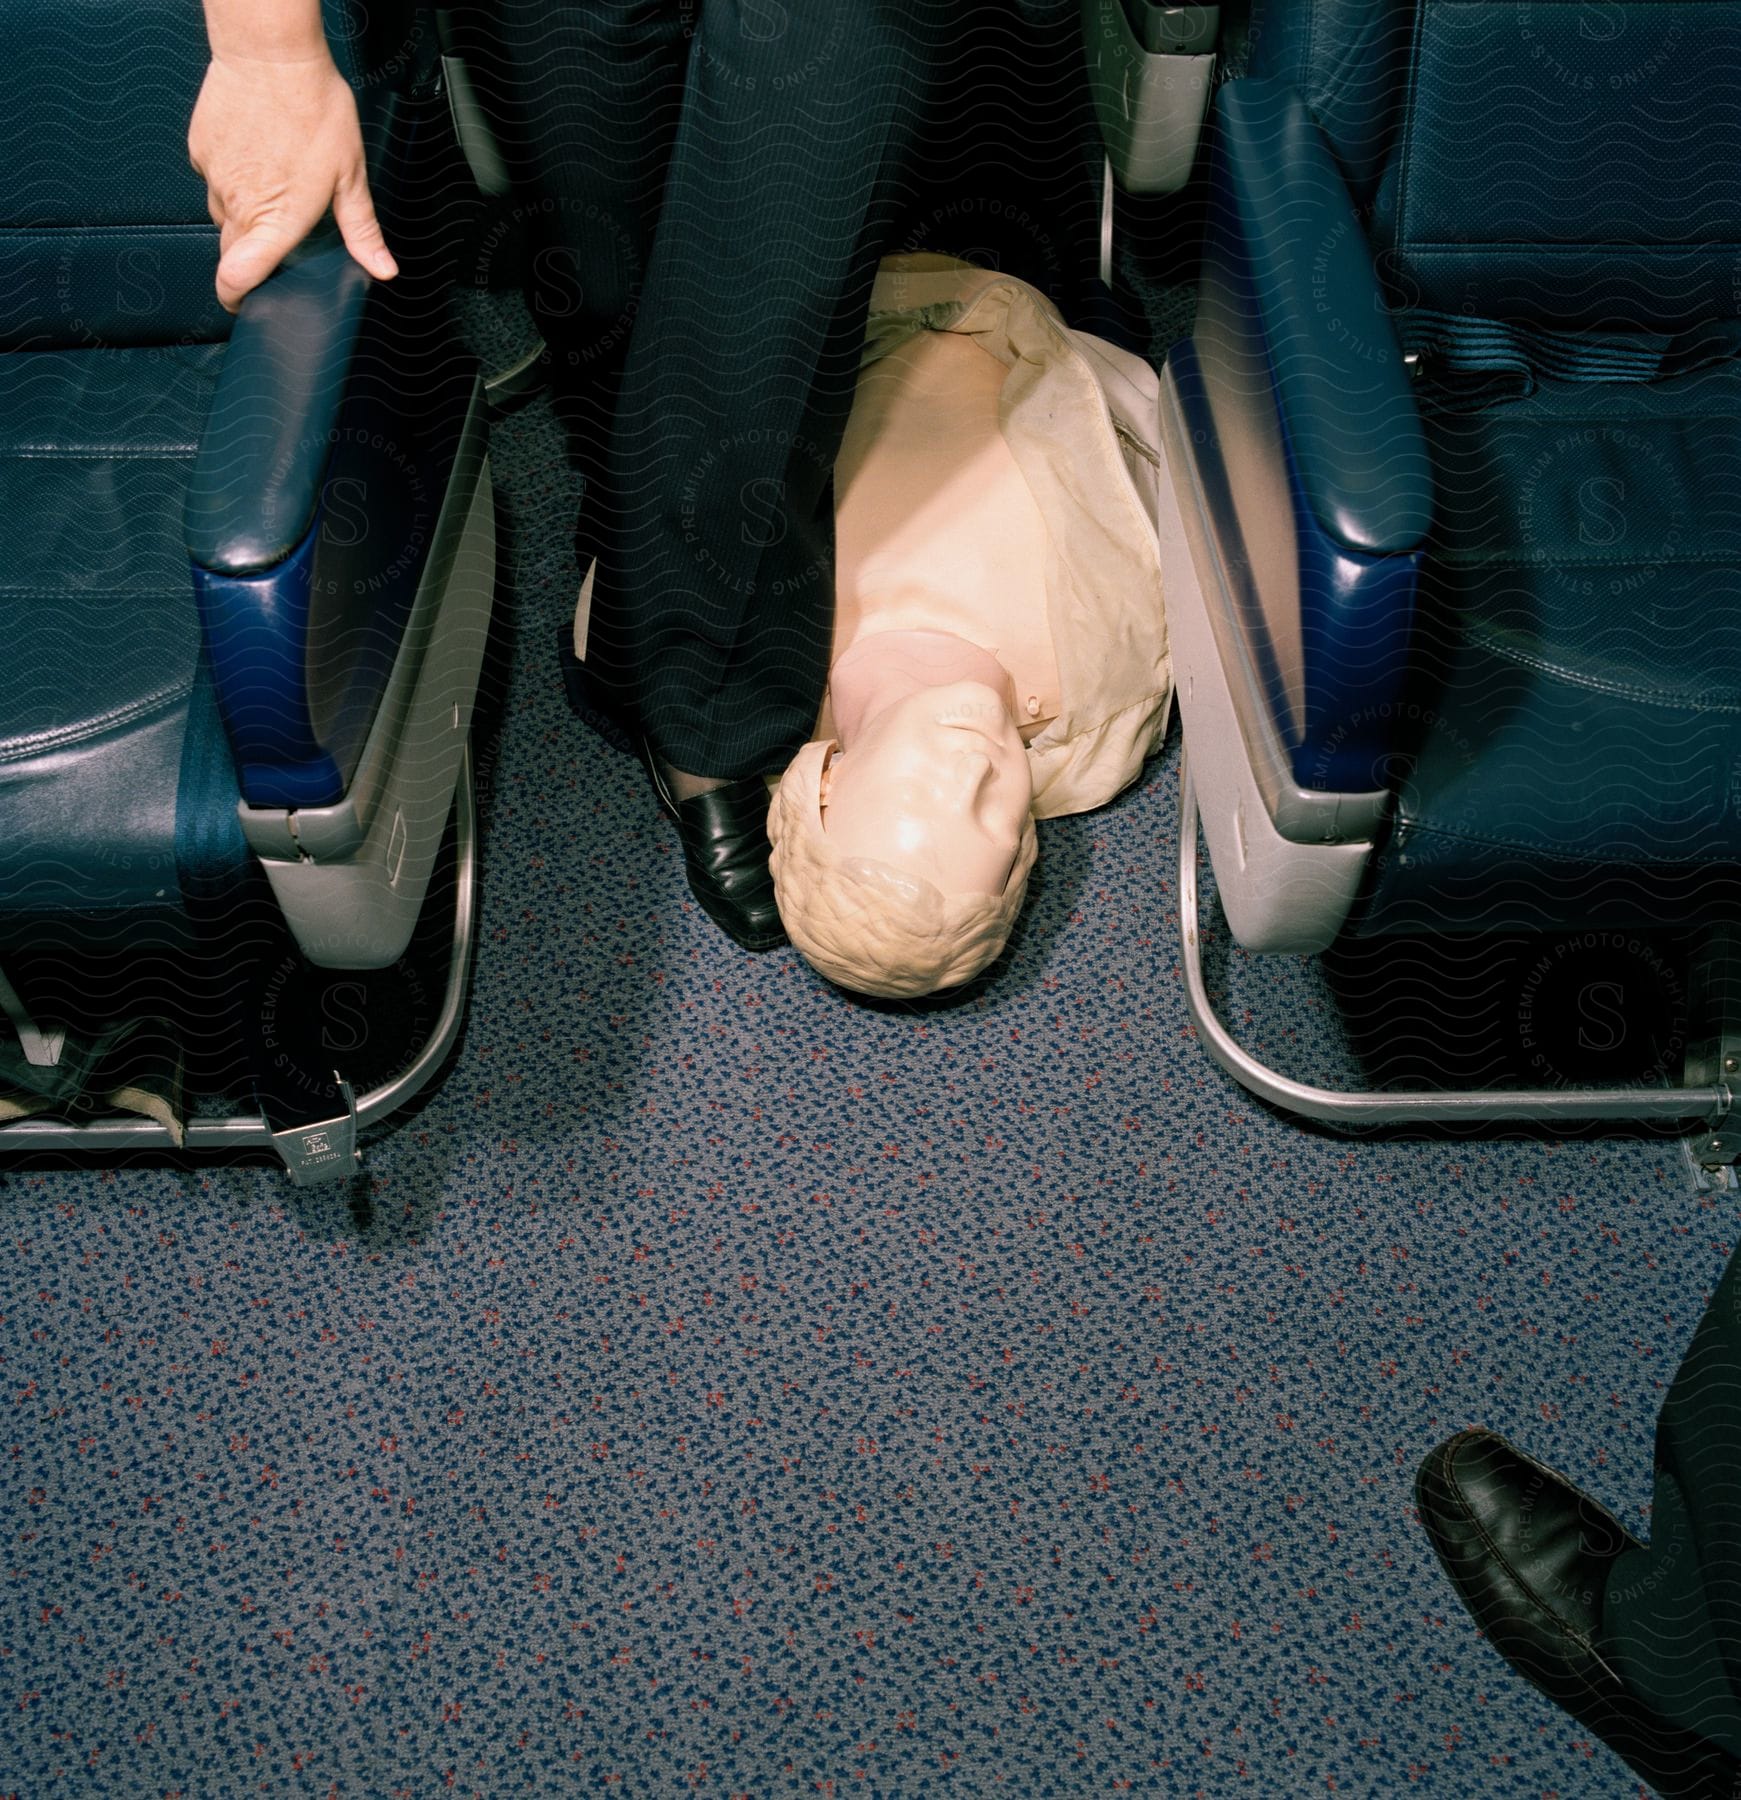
pixel 335 1158
pixel 1707 1099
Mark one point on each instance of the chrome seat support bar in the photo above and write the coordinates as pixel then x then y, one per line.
pixel 35 1136
pixel 1335 1106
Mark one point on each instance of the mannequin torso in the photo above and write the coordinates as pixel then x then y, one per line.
pixel 998 652
pixel 936 533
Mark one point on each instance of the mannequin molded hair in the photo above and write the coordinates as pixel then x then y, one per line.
pixel 868 925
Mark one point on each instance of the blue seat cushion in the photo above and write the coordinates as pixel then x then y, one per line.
pixel 101 635
pixel 104 233
pixel 1577 708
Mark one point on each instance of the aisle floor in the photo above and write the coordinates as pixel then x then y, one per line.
pixel 730 1387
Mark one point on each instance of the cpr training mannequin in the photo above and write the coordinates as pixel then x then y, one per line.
pixel 999 650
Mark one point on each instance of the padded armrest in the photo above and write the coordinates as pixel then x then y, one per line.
pixel 324 465
pixel 1341 388
pixel 257 478
pixel 268 436
pixel 1307 442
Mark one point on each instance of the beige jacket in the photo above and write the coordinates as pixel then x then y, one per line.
pixel 1081 418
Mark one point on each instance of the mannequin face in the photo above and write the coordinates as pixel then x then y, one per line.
pixel 936 784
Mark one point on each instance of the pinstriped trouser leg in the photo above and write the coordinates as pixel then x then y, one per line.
pixel 722 178
pixel 1672 1611
pixel 783 191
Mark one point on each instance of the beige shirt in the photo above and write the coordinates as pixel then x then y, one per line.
pixel 1018 510
pixel 935 527
pixel 1080 425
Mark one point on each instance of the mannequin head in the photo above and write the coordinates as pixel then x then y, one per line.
pixel 937 784
pixel 901 859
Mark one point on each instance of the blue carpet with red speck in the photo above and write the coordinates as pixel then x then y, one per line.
pixel 731 1388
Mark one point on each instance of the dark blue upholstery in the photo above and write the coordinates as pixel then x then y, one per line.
pixel 1547 159
pixel 1345 59
pixel 104 234
pixel 311 514
pixel 1571 726
pixel 251 523
pixel 1291 319
pixel 101 635
pixel 333 420
pixel 264 448
pixel 1578 664
pixel 1313 467
pixel 1569 163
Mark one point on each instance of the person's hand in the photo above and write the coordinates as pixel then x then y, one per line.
pixel 278 143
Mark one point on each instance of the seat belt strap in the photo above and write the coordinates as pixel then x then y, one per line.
pixel 1470 362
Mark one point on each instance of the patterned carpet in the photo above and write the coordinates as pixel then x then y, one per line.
pixel 727 1387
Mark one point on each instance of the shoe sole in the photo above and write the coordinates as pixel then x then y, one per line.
pixel 757 944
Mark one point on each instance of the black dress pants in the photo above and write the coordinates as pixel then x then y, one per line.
pixel 711 185
pixel 1671 1612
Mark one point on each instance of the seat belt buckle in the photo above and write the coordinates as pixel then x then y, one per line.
pixel 323 1149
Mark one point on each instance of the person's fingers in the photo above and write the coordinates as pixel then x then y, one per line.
pixel 354 214
pixel 214 206
pixel 250 257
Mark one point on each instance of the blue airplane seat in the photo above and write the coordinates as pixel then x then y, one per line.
pixel 1454 579
pixel 246 566
pixel 1456 435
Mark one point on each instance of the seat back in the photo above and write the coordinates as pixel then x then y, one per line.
pixel 104 233
pixel 1575 163
pixel 105 239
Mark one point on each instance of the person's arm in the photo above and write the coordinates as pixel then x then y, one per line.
pixel 275 135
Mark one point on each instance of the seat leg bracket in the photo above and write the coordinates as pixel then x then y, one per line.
pixel 1714 1051
pixel 323 1149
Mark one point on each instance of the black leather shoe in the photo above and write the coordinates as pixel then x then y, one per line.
pixel 1530 1555
pixel 724 834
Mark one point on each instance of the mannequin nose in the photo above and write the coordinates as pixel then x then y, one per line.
pixel 972 772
